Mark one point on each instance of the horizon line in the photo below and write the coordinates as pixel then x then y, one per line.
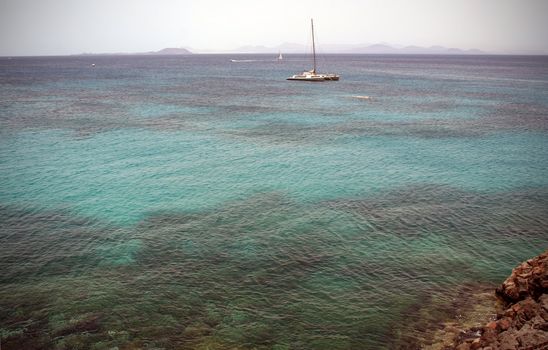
pixel 295 48
pixel 276 52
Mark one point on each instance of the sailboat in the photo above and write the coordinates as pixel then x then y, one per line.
pixel 312 75
pixel 280 57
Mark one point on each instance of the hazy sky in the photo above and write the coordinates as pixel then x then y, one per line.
pixel 48 27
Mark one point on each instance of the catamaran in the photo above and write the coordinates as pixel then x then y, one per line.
pixel 312 75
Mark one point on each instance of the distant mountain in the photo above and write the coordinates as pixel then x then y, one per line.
pixel 438 50
pixel 380 48
pixel 414 50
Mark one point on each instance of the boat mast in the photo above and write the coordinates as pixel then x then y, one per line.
pixel 313 45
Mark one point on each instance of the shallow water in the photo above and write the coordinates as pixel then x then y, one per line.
pixel 194 202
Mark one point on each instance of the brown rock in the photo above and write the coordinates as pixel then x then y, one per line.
pixel 537 271
pixel 530 279
pixel 476 344
pixel 530 309
pixel 543 301
pixel 508 313
pixel 463 346
pixel 504 324
pixel 491 325
pixel 529 336
pixel 490 336
pixel 524 323
pixel 525 275
pixel 542 326
pixel 507 341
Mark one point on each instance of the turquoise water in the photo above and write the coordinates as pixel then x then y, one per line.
pixel 193 203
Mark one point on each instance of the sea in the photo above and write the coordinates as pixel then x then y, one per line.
pixel 205 202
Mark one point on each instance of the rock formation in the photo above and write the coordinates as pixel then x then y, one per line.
pixel 523 325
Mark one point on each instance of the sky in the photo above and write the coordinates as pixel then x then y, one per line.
pixel 59 27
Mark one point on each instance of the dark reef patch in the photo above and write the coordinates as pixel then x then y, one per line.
pixel 433 208
pixel 35 242
pixel 503 118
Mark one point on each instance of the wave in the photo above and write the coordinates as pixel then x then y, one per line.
pixel 241 61
pixel 245 61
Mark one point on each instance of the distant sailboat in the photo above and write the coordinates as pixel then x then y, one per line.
pixel 312 75
pixel 280 57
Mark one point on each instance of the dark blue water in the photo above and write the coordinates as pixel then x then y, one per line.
pixel 193 202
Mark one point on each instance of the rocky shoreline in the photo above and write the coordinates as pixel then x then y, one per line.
pixel 523 323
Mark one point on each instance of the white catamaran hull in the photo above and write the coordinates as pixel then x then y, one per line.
pixel 307 76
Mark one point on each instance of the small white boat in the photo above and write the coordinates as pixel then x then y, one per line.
pixel 280 57
pixel 312 75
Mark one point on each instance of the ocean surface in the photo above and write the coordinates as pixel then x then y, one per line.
pixel 198 203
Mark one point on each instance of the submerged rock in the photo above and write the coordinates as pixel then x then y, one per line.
pixel 524 322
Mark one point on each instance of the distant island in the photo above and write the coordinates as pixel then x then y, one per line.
pixel 170 51
pixel 166 51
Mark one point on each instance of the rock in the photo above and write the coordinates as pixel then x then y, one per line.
pixel 543 301
pixel 507 341
pixel 530 336
pixel 530 279
pixel 504 324
pixel 468 335
pixel 491 325
pixel 524 322
pixel 463 346
pixel 490 336
pixel 476 344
